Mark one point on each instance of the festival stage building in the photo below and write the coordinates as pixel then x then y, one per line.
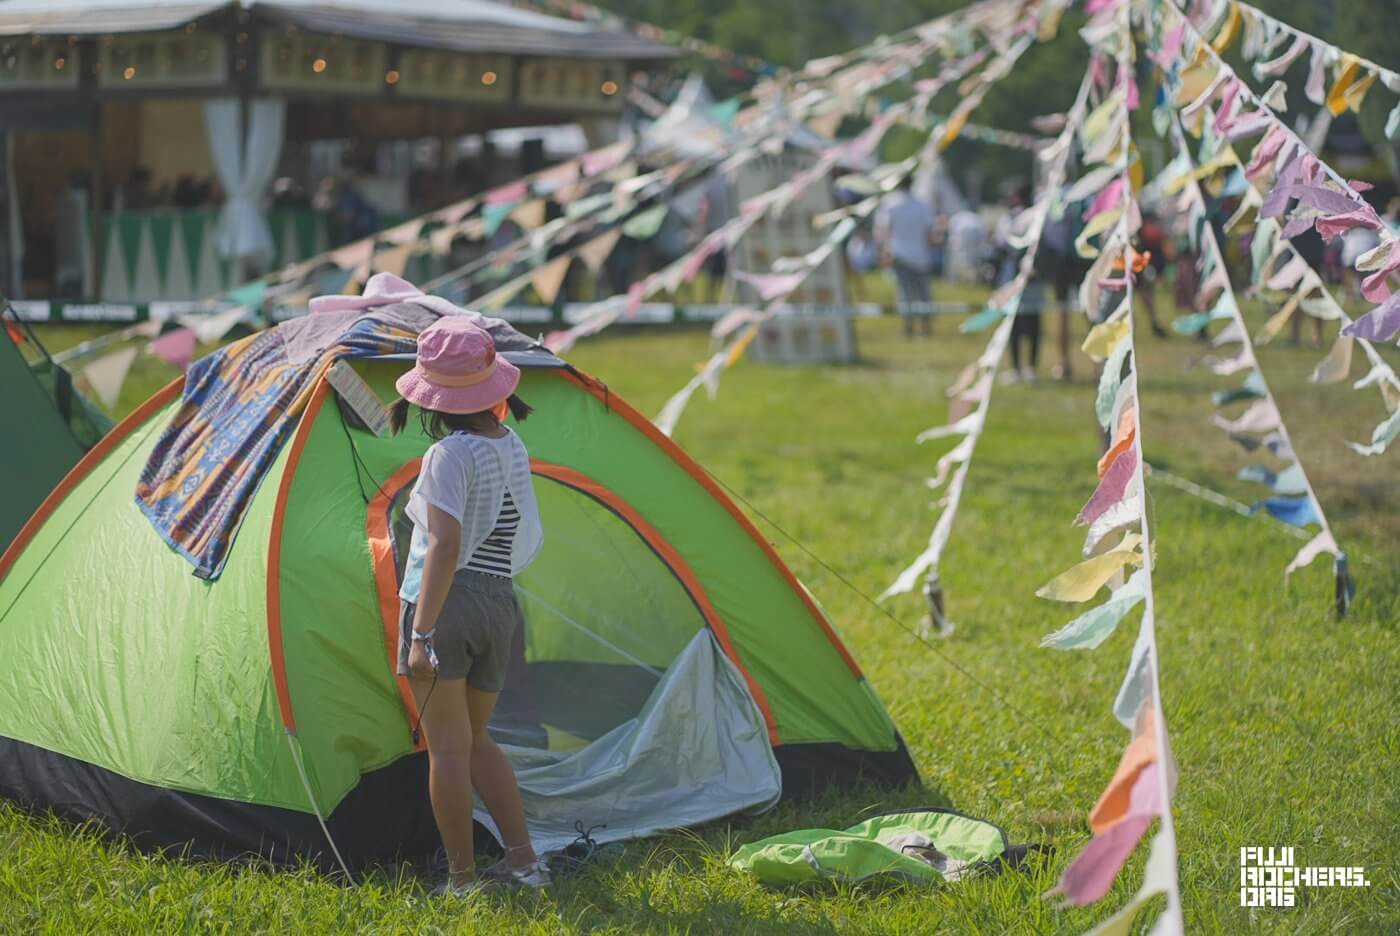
pixel 139 142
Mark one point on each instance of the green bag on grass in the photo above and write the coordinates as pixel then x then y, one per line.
pixel 919 845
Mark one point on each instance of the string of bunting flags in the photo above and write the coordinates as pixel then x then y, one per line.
pixel 1261 425
pixel 1331 206
pixel 521 201
pixel 971 393
pixel 788 273
pixel 1120 534
pixel 616 308
pixel 1265 35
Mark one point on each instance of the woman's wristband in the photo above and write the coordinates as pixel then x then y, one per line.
pixel 425 637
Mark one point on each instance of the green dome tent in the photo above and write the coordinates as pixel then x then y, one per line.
pixel 672 669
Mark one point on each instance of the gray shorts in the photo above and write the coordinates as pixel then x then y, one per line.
pixel 474 632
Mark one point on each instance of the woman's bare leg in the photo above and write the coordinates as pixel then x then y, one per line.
pixel 448 730
pixel 495 783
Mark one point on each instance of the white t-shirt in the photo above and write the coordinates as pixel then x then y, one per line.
pixel 467 476
pixel 909 224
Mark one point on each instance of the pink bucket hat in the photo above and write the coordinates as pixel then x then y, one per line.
pixel 458 370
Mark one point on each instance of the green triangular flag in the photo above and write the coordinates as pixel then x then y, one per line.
pixel 982 320
pixel 494 215
pixel 645 225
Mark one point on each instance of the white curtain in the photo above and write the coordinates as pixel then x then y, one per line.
pixel 245 170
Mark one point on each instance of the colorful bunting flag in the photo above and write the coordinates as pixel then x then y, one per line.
pixel 107 375
pixel 175 347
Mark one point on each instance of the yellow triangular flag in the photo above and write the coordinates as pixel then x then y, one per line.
pixel 737 349
pixel 1097 225
pixel 1097 121
pixel 498 297
pixel 1279 319
pixel 827 124
pixel 1194 83
pixel 530 214
pixel 1229 30
pixel 952 129
pixel 1346 75
pixel 597 250
pixel 440 241
pixel 548 278
pixel 1357 92
pixel 1082 582
pixel 393 260
pixel 1104 337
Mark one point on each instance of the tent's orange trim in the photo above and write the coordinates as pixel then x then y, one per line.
pixel 274 554
pixel 645 426
pixel 83 468
pixel 386 580
pixel 675 562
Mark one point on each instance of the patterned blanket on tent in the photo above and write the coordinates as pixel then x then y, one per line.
pixel 239 406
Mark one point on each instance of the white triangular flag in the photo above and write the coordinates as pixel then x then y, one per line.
pixel 107 374
pixel 1319 544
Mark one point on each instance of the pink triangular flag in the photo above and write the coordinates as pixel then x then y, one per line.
pixel 511 191
pixel 1112 488
pixel 175 347
pixel 771 285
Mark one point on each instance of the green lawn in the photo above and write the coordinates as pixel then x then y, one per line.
pixel 1283 719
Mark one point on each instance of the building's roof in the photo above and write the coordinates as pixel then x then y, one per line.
pixel 462 25
pixel 89 17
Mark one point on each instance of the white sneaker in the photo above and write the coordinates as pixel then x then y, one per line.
pixel 534 875
pixel 1028 376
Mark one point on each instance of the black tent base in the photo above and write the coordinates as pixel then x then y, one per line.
pixel 380 821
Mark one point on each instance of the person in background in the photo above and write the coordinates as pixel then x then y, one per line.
pixel 1055 260
pixel 189 192
pixel 1025 329
pixel 906 231
pixel 352 216
pixel 1152 238
pixel 136 194
pixel 862 252
pixel 714 210
pixel 1310 246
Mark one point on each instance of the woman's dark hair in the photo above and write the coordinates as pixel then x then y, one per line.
pixel 438 425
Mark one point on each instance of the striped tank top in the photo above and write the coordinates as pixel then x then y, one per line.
pixel 492 557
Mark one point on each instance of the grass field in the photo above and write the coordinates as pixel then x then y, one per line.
pixel 1283 719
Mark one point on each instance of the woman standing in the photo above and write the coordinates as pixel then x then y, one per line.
pixel 475 527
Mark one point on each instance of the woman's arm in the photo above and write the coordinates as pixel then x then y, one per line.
pixel 439 566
